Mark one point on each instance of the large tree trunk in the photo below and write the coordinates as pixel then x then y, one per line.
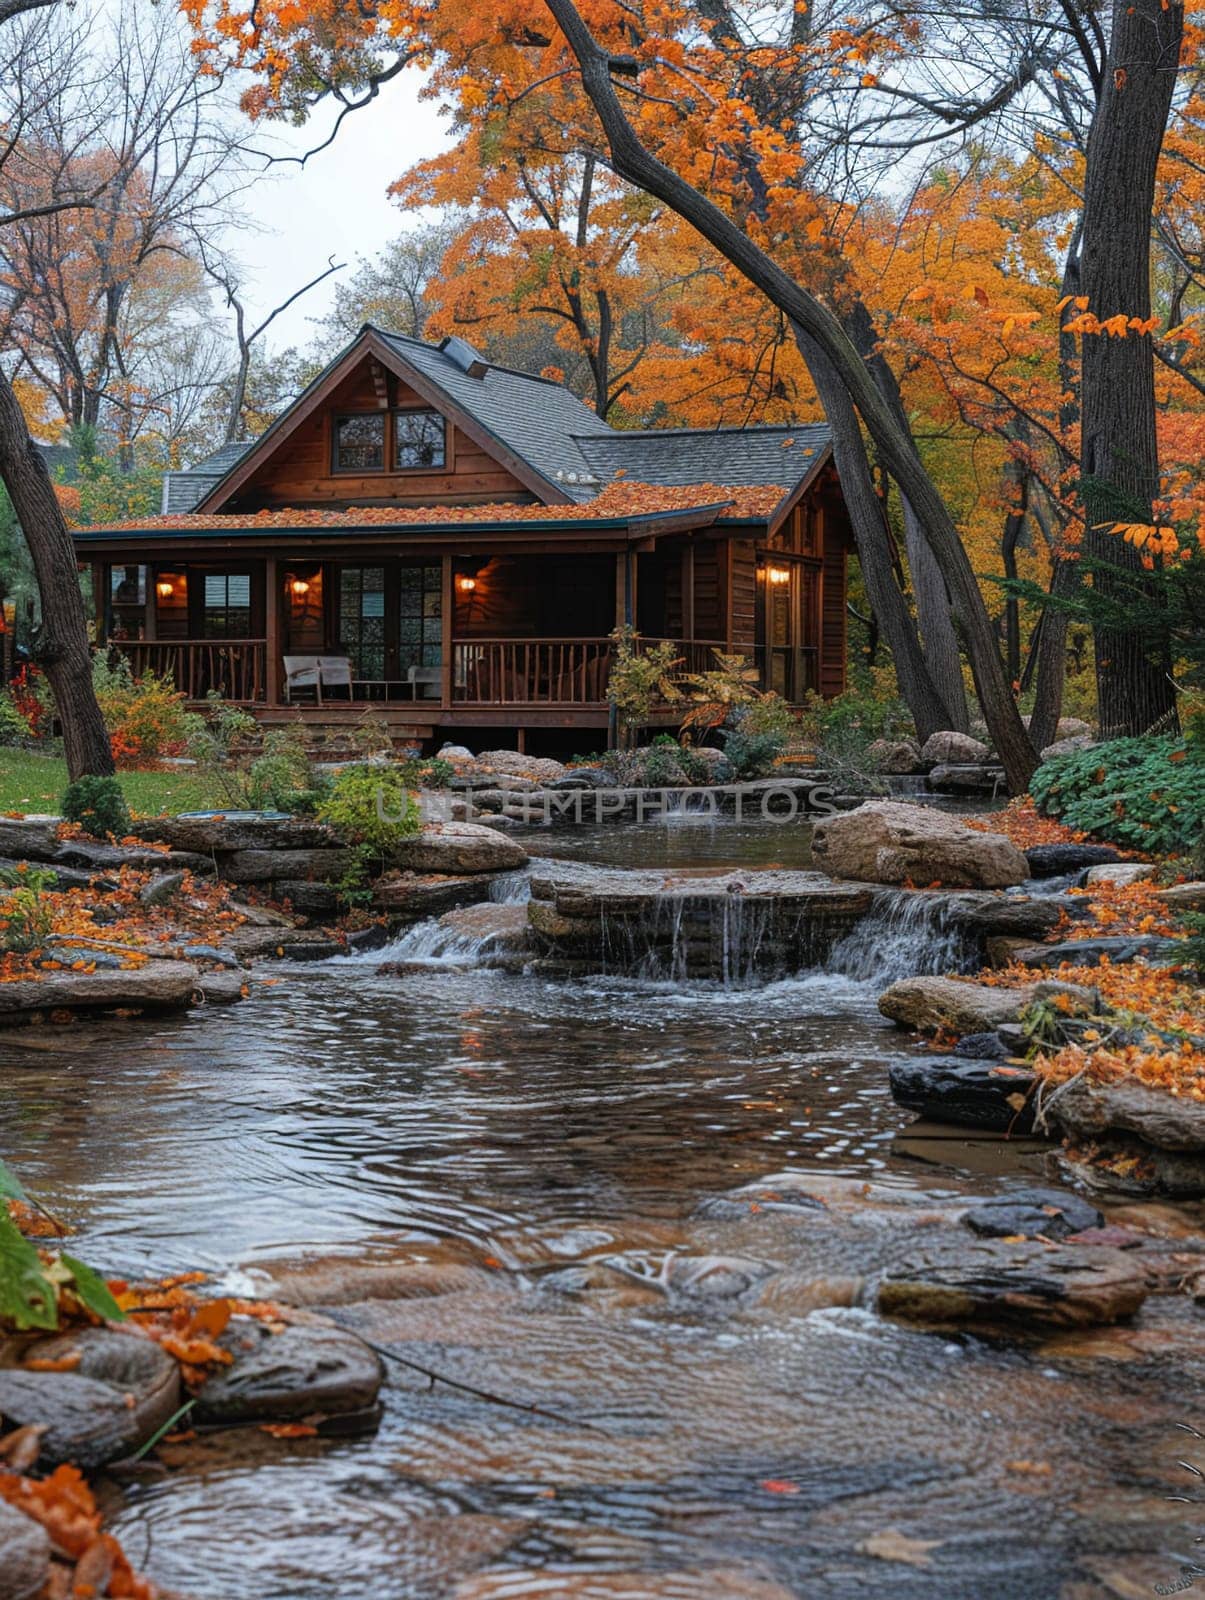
pixel 61 648
pixel 929 710
pixel 631 160
pixel 1050 658
pixel 1120 461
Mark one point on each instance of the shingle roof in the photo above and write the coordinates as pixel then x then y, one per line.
pixel 562 440
pixel 536 418
pixel 737 456
pixel 186 488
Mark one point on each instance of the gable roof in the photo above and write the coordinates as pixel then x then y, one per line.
pixel 561 449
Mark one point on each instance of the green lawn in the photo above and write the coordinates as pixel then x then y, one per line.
pixel 35 783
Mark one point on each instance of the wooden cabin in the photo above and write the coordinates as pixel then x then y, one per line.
pixel 450 543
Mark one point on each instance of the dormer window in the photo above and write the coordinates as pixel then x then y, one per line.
pixel 418 440
pixel 360 442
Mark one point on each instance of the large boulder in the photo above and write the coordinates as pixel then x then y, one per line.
pixel 893 755
pixel 456 847
pixel 1170 1122
pixel 885 841
pixel 953 749
pixel 929 1003
pixel 1067 747
pixel 153 986
pixel 514 765
pixel 989 1281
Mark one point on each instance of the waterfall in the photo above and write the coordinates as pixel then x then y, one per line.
pixel 511 888
pixel 908 933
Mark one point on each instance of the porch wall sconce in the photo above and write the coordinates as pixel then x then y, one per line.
pixel 300 587
pixel 778 574
pixel 165 588
pixel 466 585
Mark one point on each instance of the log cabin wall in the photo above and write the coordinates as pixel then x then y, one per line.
pixel 744 594
pixel 835 538
pixel 711 559
pixel 300 471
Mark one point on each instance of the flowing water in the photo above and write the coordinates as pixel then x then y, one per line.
pixel 494 1141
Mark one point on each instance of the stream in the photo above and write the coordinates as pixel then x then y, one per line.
pixel 495 1131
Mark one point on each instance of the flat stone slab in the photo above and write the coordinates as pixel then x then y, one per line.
pixel 459 847
pixel 927 1003
pixel 312 1366
pixel 417 895
pixel 1027 1283
pixel 965 1092
pixel 227 833
pixel 263 866
pixel 282 944
pixel 699 1279
pixel 1057 860
pixel 967 778
pixel 26 1547
pixel 1090 952
pixel 1049 1213
pixel 153 986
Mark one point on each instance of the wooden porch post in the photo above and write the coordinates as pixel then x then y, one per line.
pixel 100 578
pixel 151 625
pixel 272 630
pixel 447 601
pixel 688 590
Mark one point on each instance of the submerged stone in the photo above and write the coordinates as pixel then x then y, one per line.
pixel 311 1367
pixel 988 1281
pixel 1052 1213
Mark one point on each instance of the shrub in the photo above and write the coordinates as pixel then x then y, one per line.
pixel 1145 794
pixel 752 755
pixel 732 682
pixel 26 916
pixel 98 805
pixel 373 807
pixel 278 778
pixel 639 679
pixel 145 716
pixel 15 726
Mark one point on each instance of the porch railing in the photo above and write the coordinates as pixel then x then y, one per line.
pixel 234 668
pixel 552 672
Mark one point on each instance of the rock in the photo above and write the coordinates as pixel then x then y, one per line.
pixel 1120 872
pixel 893 755
pixel 455 752
pixel 308 897
pixel 284 944
pixel 585 778
pixel 965 1092
pixel 262 866
pixel 885 841
pixel 1001 949
pixel 89 855
pixel 311 1366
pixel 1067 747
pixel 214 953
pixel 221 988
pixel 414 895
pixel 61 877
pixel 227 832
pixel 1058 860
pixel 1122 1164
pixel 988 1281
pixel 1184 896
pixel 967 779
pixel 153 986
pixel 459 847
pixel 86 1422
pixel 929 1003
pixel 1091 952
pixel 1052 1213
pixel 25 1570
pixel 509 762
pixel 1171 1122
pixel 985 914
pixel 1073 728
pixel 260 916
pixel 163 887
pixel 982 1047
pixel 134 1368
pixel 28 839
pixel 957 749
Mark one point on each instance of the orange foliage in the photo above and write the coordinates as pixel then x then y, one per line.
pixel 65 1506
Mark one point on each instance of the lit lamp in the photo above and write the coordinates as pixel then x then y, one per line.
pixel 165 588
pixel 300 587
pixel 778 574
pixel 466 585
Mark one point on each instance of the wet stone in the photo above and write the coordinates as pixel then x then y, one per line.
pixel 1052 1213
pixel 135 1368
pixel 310 1367
pixel 968 1093
pixel 25 1568
pixel 989 1281
pixel 1056 860
pixel 982 1047
pixel 87 1422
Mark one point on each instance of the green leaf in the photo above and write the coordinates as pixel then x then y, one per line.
pixel 27 1297
pixel 92 1289
pixel 10 1184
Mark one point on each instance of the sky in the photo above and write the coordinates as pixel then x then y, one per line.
pixel 336 204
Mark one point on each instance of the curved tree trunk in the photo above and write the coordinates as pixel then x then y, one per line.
pixel 61 648
pixel 631 160
pixel 1120 460
pixel 929 710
